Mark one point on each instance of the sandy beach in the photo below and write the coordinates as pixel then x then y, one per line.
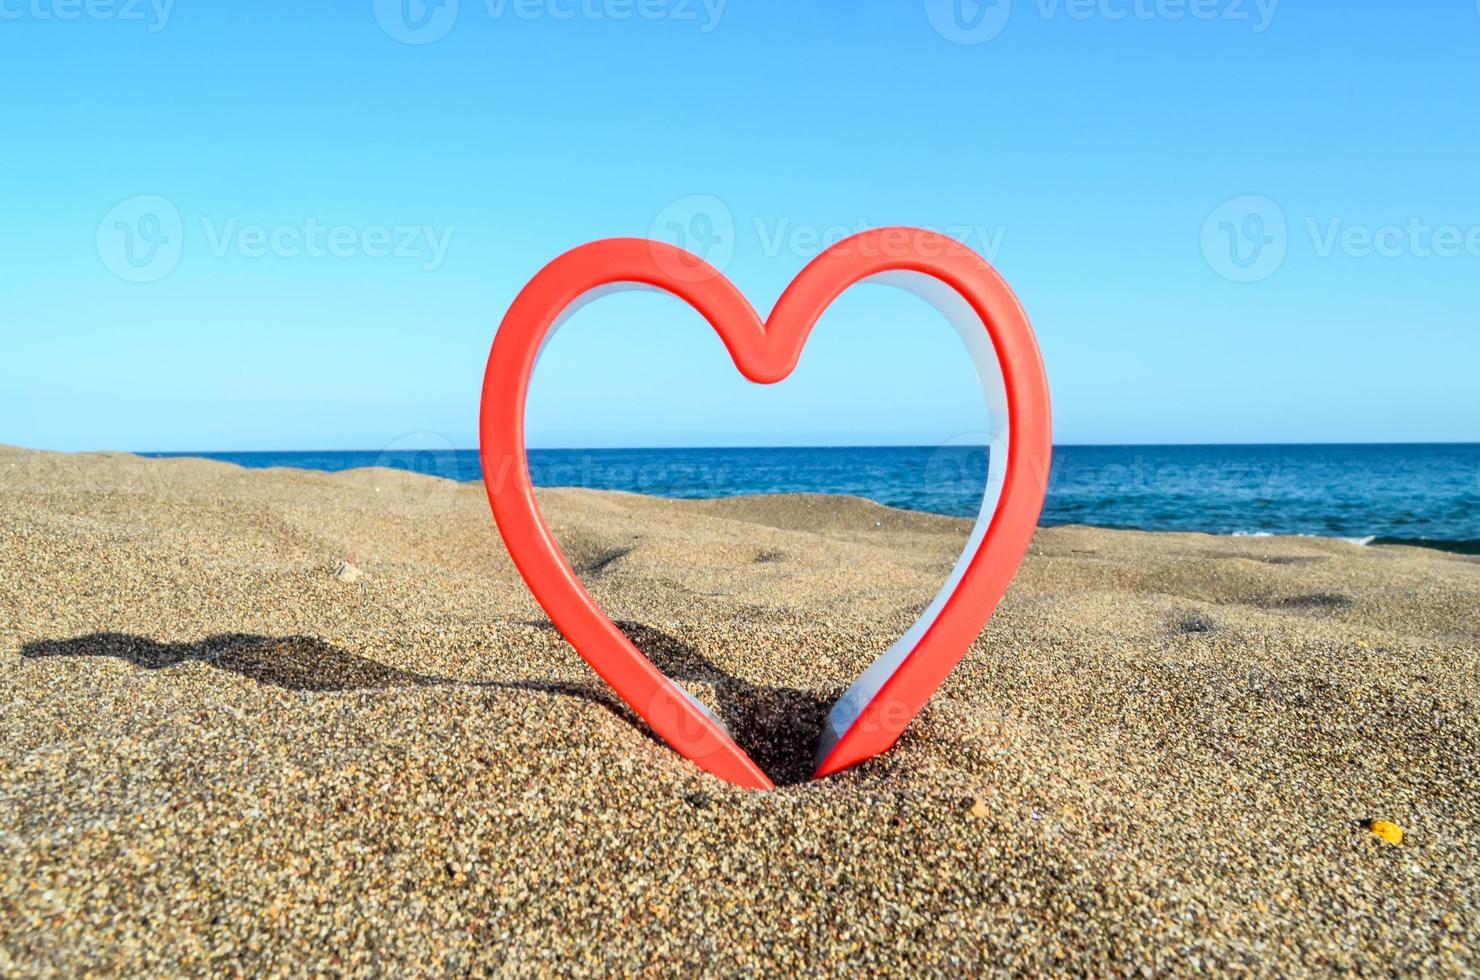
pixel 220 750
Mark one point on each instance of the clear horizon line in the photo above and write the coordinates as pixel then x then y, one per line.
pixel 881 445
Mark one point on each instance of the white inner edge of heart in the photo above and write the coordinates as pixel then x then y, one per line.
pixel 973 333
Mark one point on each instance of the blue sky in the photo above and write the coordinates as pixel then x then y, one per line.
pixel 1229 221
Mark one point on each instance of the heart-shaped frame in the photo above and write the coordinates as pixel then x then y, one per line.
pixel 873 713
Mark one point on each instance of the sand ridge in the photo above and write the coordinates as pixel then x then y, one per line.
pixel 1162 753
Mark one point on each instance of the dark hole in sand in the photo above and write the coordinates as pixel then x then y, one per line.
pixel 1315 600
pixel 1196 622
pixel 601 563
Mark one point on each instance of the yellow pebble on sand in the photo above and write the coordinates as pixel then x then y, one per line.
pixel 1389 832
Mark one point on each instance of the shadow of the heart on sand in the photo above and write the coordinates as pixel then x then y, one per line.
pixel 779 727
pixel 294 663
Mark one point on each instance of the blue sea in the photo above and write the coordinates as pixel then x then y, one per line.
pixel 1385 494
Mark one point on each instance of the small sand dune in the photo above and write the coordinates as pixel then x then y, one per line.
pixel 217 754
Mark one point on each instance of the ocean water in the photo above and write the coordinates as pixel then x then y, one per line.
pixel 1418 494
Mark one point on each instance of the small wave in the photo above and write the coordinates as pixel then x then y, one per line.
pixel 1458 546
pixel 1358 541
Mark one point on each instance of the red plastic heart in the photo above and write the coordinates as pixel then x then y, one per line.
pixel 869 718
